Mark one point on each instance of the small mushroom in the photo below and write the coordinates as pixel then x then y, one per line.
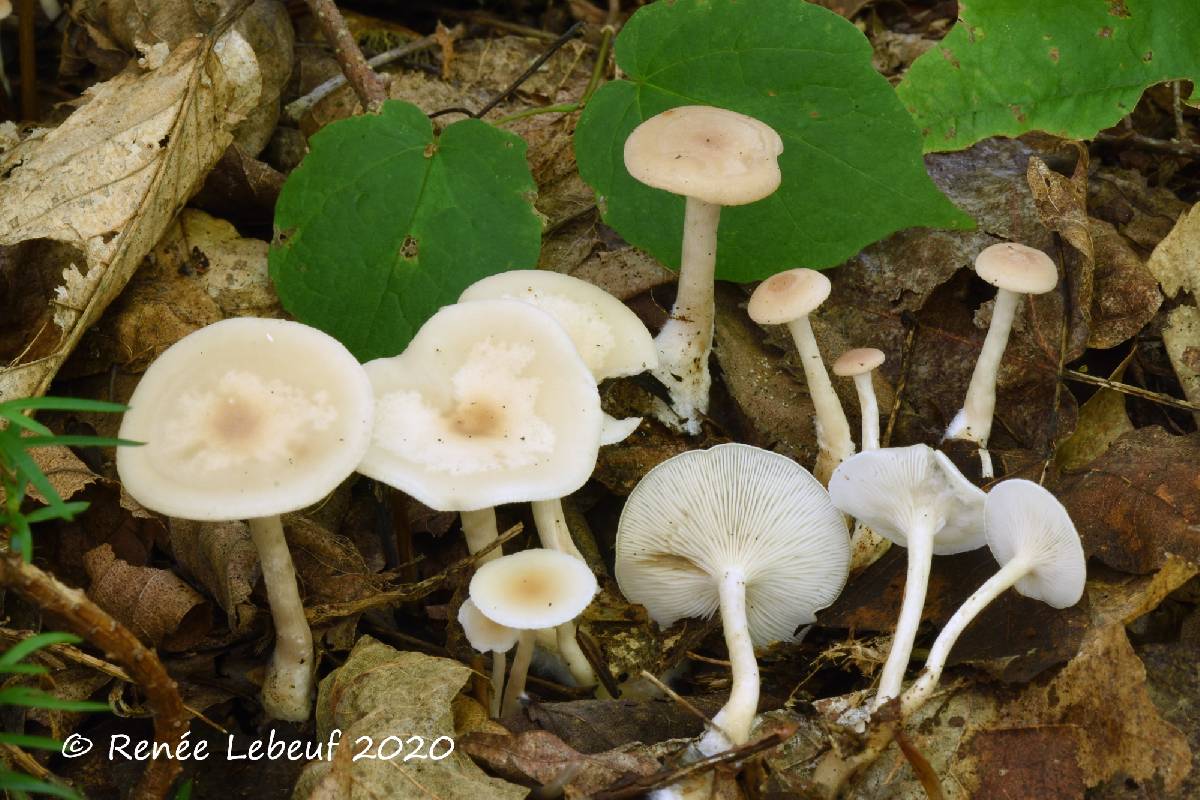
pixel 915 497
pixel 250 419
pixel 488 637
pixel 741 530
pixel 859 364
pixel 529 591
pixel 1014 270
pixel 714 158
pixel 1040 555
pixel 787 298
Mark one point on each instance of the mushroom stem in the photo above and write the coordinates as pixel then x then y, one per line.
pixel 287 689
pixel 516 675
pixel 920 556
pixel 552 527
pixel 498 664
pixel 833 430
pixel 974 421
pixel 479 528
pixel 995 586
pixel 870 411
pixel 732 723
pixel 572 655
pixel 685 341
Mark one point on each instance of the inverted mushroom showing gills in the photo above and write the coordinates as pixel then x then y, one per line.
pixel 250 419
pixel 915 497
pixel 739 530
pixel 1014 270
pixel 713 158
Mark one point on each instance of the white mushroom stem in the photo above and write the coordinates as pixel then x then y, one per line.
pixel 516 675
pixel 685 341
pixel 556 535
pixel 498 665
pixel 479 529
pixel 734 720
pixel 974 421
pixel 995 586
pixel 833 430
pixel 920 556
pixel 287 689
pixel 870 411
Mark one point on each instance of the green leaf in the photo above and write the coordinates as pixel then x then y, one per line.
pixel 385 222
pixel 18 782
pixel 851 163
pixel 30 741
pixel 35 698
pixel 62 404
pixel 27 646
pixel 1068 67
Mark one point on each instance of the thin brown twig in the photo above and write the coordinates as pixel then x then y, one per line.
pixel 88 620
pixel 901 383
pixel 683 702
pixel 367 84
pixel 1185 149
pixel 921 767
pixel 1133 391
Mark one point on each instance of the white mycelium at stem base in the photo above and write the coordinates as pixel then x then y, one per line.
pixel 250 419
pixel 713 158
pixel 915 497
pixel 1015 270
pixel 739 530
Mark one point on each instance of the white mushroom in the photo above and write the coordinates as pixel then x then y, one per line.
pixel 529 591
pixel 787 299
pixel 858 364
pixel 250 419
pixel 1014 270
pixel 488 637
pixel 1040 555
pixel 915 497
pixel 741 530
pixel 713 158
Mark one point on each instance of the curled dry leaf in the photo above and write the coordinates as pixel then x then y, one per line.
pixel 153 603
pixel 68 475
pixel 87 201
pixel 221 557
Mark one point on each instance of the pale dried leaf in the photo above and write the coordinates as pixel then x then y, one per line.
pixel 1176 259
pixel 222 557
pixel 1181 337
pixel 68 475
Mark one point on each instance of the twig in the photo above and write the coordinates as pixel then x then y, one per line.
pixel 367 85
pixel 683 702
pixel 1134 391
pixel 1185 149
pixel 88 620
pixel 1063 336
pixel 598 68
pixel 902 382
pixel 921 767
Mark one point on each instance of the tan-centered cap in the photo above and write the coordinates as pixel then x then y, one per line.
pixel 1017 268
pixel 788 296
pixel 533 589
pixel 858 361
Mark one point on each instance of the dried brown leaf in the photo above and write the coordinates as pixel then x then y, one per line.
pixel 221 557
pixel 1175 262
pixel 1181 338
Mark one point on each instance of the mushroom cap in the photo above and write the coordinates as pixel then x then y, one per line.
pixel 709 153
pixel 6 9
pixel 1024 520
pixel 483 634
pixel 858 361
pixel 700 513
pixel 609 337
pixel 245 418
pixel 489 404
pixel 1017 268
pixel 787 296
pixel 894 490
pixel 533 589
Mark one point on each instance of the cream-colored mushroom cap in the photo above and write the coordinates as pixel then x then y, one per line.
pixel 5 9
pixel 1023 520
pixel 608 335
pixel 1016 267
pixel 858 361
pixel 709 153
pixel 533 589
pixel 701 513
pixel 489 404
pixel 245 418
pixel 483 634
pixel 788 296
pixel 896 490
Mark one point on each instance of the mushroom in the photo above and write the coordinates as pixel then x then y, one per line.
pixel 714 158
pixel 915 497
pixel 529 591
pixel 1014 270
pixel 741 530
pixel 488 637
pixel 249 419
pixel 788 298
pixel 858 364
pixel 1040 555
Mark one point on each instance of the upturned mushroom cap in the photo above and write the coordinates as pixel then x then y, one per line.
pixel 1017 268
pixel 718 156
pixel 787 296
pixel 858 361
pixel 609 337
pixel 245 418
pixel 489 404
pixel 483 634
pixel 897 489
pixel 533 589
pixel 697 515
pixel 1024 520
